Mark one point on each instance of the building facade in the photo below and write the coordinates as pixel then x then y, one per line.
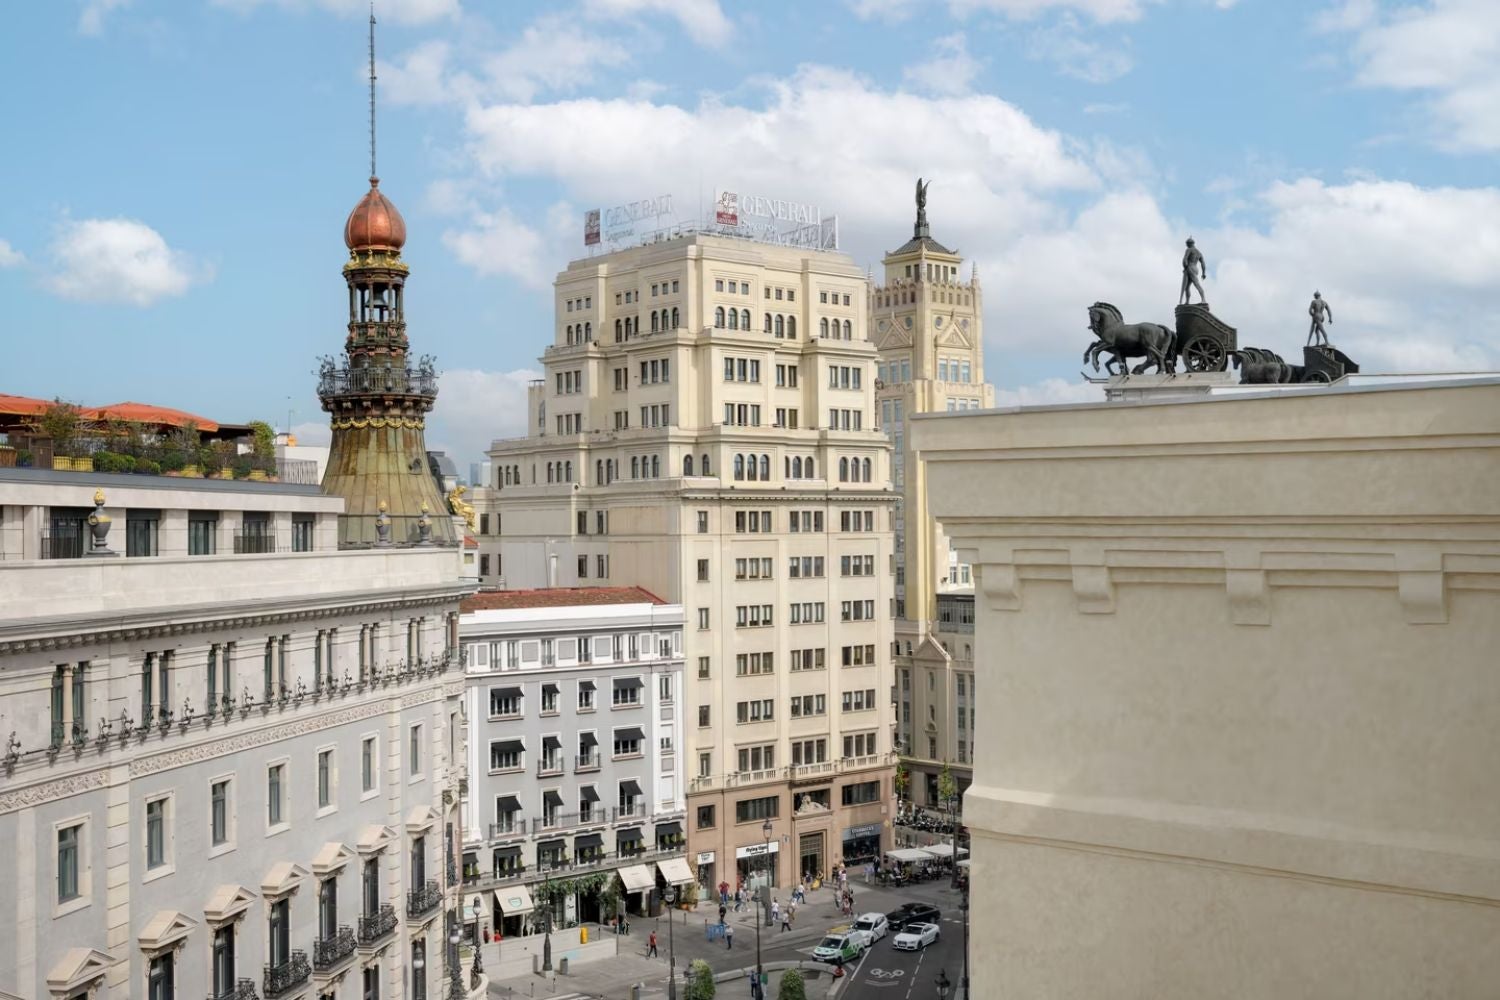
pixel 231 746
pixel 1240 742
pixel 706 429
pixel 928 324
pixel 575 703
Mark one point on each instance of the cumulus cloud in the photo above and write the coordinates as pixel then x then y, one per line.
pixel 1448 51
pixel 894 11
pixel 1068 46
pixel 497 243
pixel 1049 392
pixel 312 433
pixel 119 260
pixel 951 70
pixel 91 17
pixel 476 406
pixel 10 256
pixel 400 11
pixel 703 20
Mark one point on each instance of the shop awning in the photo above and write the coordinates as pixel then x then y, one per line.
pixel 675 871
pixel 943 851
pixel 909 855
pixel 964 863
pixel 588 794
pixel 630 787
pixel 637 878
pixel 668 829
pixel 586 840
pixel 507 804
pixel 507 746
pixel 514 900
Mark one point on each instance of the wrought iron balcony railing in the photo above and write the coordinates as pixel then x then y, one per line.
pixel 423 900
pixel 254 542
pixel 550 765
pixel 244 989
pixel 286 977
pixel 375 926
pixel 356 381
pixel 515 827
pixel 330 951
pixel 586 762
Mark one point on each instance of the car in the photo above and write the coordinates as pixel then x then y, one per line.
pixel 873 924
pixel 913 913
pixel 915 937
pixel 838 948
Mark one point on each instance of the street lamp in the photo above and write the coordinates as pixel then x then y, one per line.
pixel 547 915
pixel 963 905
pixel 456 989
pixel 670 897
pixel 478 963
pixel 760 971
pixel 418 963
pixel 943 986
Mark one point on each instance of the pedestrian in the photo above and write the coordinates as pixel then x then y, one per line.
pixel 721 913
pixel 786 921
pixel 728 936
pixel 775 910
pixel 651 950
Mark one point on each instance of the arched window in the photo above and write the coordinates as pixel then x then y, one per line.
pixel 567 472
pixel 687 465
pixel 745 319
pixel 752 470
pixel 619 331
pixel 786 467
pixel 843 470
pixel 781 326
pixel 704 464
pixel 739 467
pixel 635 467
pixel 791 328
pixel 549 472
pixel 588 333
pixel 865 478
pixel 768 322
pixel 848 330
pixel 765 467
pixel 823 328
pixel 734 319
pixel 797 467
pixel 569 336
pixel 655 328
pixel 807 468
pixel 598 472
pixel 656 466
pixel 675 324
pixel 719 318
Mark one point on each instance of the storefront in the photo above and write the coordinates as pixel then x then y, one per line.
pixel 513 908
pixel 812 860
pixel 756 864
pixel 706 878
pixel 861 844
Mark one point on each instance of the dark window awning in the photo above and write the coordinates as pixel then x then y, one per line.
pixel 549 688
pixel 586 840
pixel 631 733
pixel 630 787
pixel 587 794
pixel 508 852
pixel 508 746
pixel 629 682
pixel 552 797
pixel 630 835
pixel 667 829
pixel 505 692
pixel 551 742
pixel 585 685
pixel 507 804
pixel 550 847
pixel 588 739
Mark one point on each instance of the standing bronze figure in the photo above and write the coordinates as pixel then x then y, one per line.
pixel 1192 265
pixel 1319 310
pixel 922 203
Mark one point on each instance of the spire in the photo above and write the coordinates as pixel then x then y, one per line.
pixel 974 272
pixel 373 175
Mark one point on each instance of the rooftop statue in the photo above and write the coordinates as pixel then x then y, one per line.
pixel 922 203
pixel 1319 310
pixel 1192 265
pixel 1122 341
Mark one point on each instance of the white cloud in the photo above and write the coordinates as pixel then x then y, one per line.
pixel 475 407
pixel 10 256
pixel 1048 392
pixel 951 70
pixel 1066 45
pixel 498 244
pixel 419 77
pixel 703 20
pixel 91 18
pixel 890 11
pixel 312 433
pixel 119 260
pixel 399 11
pixel 1447 50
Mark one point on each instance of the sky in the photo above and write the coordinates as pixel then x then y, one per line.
pixel 177 174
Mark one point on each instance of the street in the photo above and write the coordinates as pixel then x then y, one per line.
pixel 887 974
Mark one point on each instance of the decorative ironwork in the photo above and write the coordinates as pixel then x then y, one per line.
pixel 419 381
pixel 286 977
pixel 254 543
pixel 242 990
pixel 373 927
pixel 330 951
pixel 422 901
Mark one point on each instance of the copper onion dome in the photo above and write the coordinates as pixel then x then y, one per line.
pixel 375 224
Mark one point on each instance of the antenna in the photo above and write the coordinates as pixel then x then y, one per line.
pixel 372 90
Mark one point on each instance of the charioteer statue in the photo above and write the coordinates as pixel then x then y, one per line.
pixel 1192 265
pixel 1319 310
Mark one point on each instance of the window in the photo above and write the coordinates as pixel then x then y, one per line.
pixel 156 832
pixel 754 664
pixel 805 567
pixel 280 937
pixel 627 743
pixel 859 701
pixel 705 817
pixel 810 751
pixel 757 710
pixel 857 611
pixel 703 571
pixel 860 745
pixel 202 526
pixel 627 691
pixel 754 810
pixel 141 532
pixel 586 694
pixel 69 844
pixel 223 960
pixel 807 659
pixel 859 656
pixel 804 705
pixel 367 764
pixel 664 687
pixel 861 793
pixel 705 764
pixel 161 977
pixel 807 612
pixel 757 758
pixel 753 521
pixel 703 514
pixel 414 751
pixel 752 616
pixel 275 795
pixel 705 716
pixel 753 569
pixel 325 778
pixel 703 670
pixel 219 812
pixel 505 755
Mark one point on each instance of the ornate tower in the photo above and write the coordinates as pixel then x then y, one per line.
pixel 378 400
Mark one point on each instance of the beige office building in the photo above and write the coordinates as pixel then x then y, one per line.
pixel 706 429
pixel 1242 734
pixel 928 325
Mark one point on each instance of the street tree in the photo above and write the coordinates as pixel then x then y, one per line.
pixel 700 984
pixel 792 987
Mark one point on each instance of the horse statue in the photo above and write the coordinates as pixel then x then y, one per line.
pixel 1259 366
pixel 1152 342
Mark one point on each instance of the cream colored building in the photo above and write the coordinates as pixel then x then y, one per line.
pixel 928 325
pixel 1242 729
pixel 230 749
pixel 706 429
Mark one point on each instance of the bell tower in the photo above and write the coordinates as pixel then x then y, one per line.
pixel 377 398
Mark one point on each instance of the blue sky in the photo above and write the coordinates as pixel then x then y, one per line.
pixel 178 173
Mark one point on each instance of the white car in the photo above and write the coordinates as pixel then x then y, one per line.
pixel 873 924
pixel 915 937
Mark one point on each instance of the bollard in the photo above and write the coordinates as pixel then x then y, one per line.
pixel 562 966
pixel 583 935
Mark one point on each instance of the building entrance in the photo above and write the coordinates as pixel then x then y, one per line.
pixel 811 854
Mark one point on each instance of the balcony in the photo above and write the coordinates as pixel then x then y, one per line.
pixel 331 952
pixel 336 382
pixel 629 811
pixel 586 762
pixel 62 544
pixel 242 990
pixel 255 542
pixel 420 902
pixel 375 927
pixel 515 827
pixel 283 979
pixel 549 766
pixel 569 821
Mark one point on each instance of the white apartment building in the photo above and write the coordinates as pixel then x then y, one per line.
pixel 706 428
pixel 229 746
pixel 928 324
pixel 574 698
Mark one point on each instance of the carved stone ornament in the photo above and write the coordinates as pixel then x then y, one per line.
pixel 99 524
pixel 382 526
